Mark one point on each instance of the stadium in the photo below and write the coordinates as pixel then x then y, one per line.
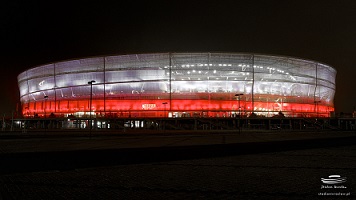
pixel 179 85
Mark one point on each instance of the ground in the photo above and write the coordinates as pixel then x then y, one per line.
pixel 273 171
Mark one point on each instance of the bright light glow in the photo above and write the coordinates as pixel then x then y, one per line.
pixel 41 83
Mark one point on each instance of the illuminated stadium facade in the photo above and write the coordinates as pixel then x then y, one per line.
pixel 179 85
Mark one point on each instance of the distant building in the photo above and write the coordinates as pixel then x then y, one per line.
pixel 179 85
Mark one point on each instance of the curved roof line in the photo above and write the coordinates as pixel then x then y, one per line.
pixel 197 52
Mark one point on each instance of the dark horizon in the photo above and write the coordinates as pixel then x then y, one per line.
pixel 36 33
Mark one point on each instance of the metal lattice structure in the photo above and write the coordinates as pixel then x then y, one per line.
pixel 179 84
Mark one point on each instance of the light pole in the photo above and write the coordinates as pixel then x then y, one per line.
pixel 164 122
pixel 45 98
pixel 91 99
pixel 316 108
pixel 164 103
pixel 239 98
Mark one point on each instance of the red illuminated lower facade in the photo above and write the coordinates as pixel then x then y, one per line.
pixel 142 108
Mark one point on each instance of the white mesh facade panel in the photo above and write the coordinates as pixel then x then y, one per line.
pixel 206 76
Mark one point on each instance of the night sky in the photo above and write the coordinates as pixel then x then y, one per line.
pixel 39 32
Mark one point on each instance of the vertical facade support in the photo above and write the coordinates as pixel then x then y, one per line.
pixel 54 88
pixel 170 82
pixel 253 83
pixel 209 57
pixel 315 88
pixel 28 95
pixel 104 87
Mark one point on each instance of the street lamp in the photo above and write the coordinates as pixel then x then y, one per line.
pixel 164 103
pixel 239 98
pixel 91 99
pixel 164 122
pixel 316 107
pixel 45 98
pixel 44 122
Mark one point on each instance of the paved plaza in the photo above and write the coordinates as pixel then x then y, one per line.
pixel 245 166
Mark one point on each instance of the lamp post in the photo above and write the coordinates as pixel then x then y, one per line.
pixel 44 123
pixel 239 98
pixel 164 122
pixel 91 99
pixel 316 107
pixel 45 98
pixel 164 103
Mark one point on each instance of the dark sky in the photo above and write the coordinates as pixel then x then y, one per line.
pixel 38 32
